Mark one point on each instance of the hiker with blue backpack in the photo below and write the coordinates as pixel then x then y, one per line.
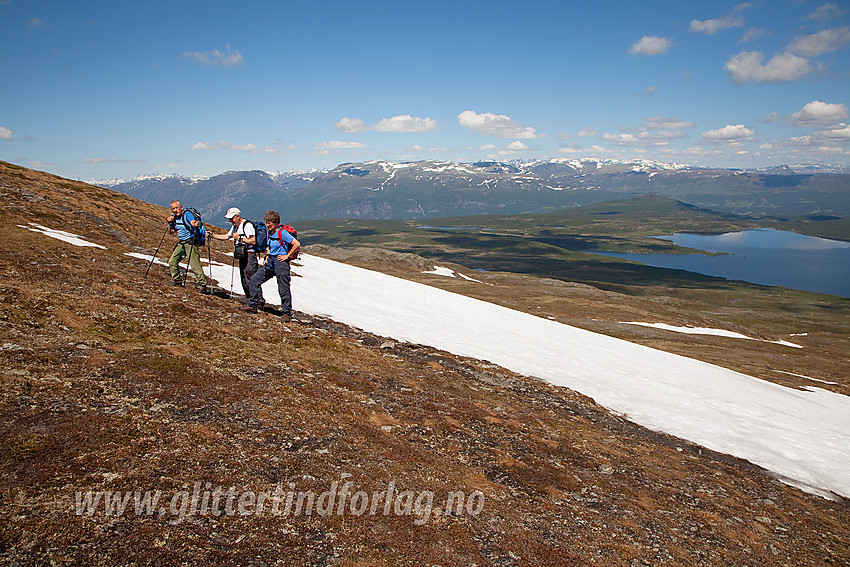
pixel 191 237
pixel 249 238
pixel 283 247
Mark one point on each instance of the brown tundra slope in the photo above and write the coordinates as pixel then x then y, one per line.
pixel 312 443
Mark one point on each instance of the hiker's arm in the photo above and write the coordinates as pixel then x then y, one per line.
pixel 293 247
pixel 249 234
pixel 224 236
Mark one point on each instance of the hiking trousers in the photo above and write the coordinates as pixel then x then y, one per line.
pixel 247 268
pixel 265 273
pixel 182 250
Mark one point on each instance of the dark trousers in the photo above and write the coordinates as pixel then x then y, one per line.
pixel 273 268
pixel 247 268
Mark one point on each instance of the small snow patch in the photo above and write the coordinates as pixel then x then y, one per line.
pixel 441 271
pixel 705 331
pixel 808 378
pixel 467 278
pixel 146 258
pixel 61 235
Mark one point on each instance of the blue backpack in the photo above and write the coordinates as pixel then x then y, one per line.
pixel 262 236
pixel 199 233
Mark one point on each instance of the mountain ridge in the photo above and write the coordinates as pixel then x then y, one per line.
pixel 381 189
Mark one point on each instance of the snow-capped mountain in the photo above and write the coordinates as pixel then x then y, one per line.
pixel 431 188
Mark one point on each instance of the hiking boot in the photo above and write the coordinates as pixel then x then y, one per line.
pixel 286 317
pixel 248 309
pixel 176 283
pixel 205 290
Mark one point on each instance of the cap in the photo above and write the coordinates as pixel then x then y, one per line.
pixel 232 212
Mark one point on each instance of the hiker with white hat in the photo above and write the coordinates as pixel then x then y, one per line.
pixel 244 236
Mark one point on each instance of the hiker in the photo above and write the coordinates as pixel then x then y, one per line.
pixel 181 223
pixel 244 237
pixel 282 247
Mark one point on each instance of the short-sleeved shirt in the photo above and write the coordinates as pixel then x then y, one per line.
pixel 181 225
pixel 245 230
pixel 279 242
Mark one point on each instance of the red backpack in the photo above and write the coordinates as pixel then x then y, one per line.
pixel 294 234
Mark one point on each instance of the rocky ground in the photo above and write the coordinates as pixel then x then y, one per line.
pixel 116 382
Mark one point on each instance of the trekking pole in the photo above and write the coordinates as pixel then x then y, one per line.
pixel 232 270
pixel 209 256
pixel 161 240
pixel 188 263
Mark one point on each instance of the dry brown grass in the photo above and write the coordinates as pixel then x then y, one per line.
pixel 115 382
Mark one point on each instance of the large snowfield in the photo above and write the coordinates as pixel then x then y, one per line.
pixel 802 436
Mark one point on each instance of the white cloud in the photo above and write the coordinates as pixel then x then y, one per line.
pixel 588 132
pixel 497 125
pixel 826 12
pixel 216 58
pixel 5 133
pixel 351 125
pixel 651 45
pixel 336 146
pixel 513 148
pixel 37 163
pixel 113 160
pixel 838 133
pixel 819 113
pixel 660 123
pixel 417 149
pixel 245 148
pixel 644 139
pixel 698 152
pixel 406 123
pixel 401 123
pixel 729 134
pixel 36 23
pixel 711 27
pixel 823 141
pixel 747 66
pixel 621 139
pixel 751 34
pixel 571 149
pixel 825 41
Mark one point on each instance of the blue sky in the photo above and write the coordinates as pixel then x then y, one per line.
pixel 107 89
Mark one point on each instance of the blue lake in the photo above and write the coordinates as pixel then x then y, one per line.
pixel 453 228
pixel 763 256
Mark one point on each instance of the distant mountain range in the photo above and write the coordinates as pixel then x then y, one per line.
pixel 431 189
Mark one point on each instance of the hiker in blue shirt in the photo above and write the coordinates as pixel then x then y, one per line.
pixel 282 247
pixel 179 223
